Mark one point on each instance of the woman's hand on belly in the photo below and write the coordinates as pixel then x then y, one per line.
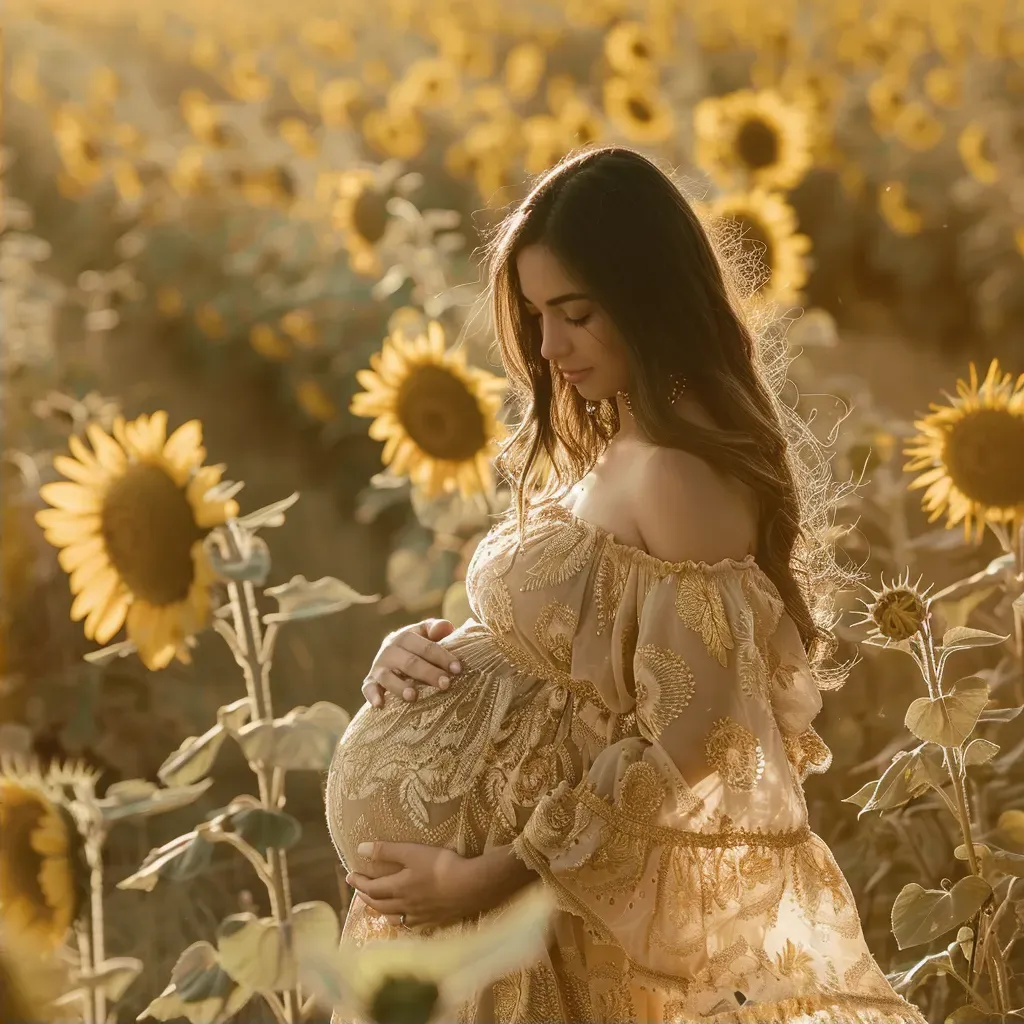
pixel 431 885
pixel 411 655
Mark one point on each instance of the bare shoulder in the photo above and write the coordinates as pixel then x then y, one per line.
pixel 686 510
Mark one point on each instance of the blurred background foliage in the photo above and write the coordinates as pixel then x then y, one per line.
pixel 221 210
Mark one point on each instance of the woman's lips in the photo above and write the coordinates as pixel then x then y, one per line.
pixel 575 376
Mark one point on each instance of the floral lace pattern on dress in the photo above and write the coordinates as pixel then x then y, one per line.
pixel 638 731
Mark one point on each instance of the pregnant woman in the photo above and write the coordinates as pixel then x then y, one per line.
pixel 629 716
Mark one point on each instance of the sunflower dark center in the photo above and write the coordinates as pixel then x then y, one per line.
pixel 440 414
pixel 640 50
pixel 757 144
pixel 984 456
pixel 149 529
pixel 639 109
pixel 19 862
pixel 758 251
pixel 405 1000
pixel 370 215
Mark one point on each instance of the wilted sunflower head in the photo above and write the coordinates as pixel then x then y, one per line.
pixel 42 868
pixel 971 452
pixel 437 416
pixel 130 524
pixel 897 612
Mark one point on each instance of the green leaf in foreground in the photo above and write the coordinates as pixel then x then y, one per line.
pixel 950 718
pixel 920 915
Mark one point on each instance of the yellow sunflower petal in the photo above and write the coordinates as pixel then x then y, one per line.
pixel 112 619
pixel 81 576
pixel 70 497
pixel 108 452
pixel 184 446
pixel 81 451
pixel 70 558
pixel 96 595
pixel 87 475
pixel 70 531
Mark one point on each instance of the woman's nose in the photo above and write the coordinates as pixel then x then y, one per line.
pixel 554 344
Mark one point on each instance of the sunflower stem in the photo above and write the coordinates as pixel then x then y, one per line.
pixel 94 850
pixel 954 767
pixel 270 998
pixel 1018 612
pixel 256 650
pixel 84 944
pixel 259 865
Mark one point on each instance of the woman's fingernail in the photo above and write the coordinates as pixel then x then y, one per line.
pixel 443 682
pixel 455 667
pixel 364 849
pixel 409 694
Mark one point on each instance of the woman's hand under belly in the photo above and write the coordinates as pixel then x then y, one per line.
pixel 433 886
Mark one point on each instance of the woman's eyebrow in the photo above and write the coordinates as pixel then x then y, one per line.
pixel 559 299
pixel 567 297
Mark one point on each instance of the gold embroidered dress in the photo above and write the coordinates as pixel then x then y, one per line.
pixel 639 731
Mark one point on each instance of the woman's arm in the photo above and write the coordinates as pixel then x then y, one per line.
pixel 497 875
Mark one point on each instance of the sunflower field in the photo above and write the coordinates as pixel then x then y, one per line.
pixel 239 241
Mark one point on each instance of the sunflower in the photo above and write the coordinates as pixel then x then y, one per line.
pixel 131 523
pixel 897 612
pixel 337 99
pixel 629 50
pixel 430 83
pixel 892 204
pixel 202 118
pixel 972 144
pixel 41 876
pixel 761 230
pixel 580 121
pixel 361 212
pixel 80 151
pixel 524 69
pixel 547 141
pixel 245 80
pixel 753 138
pixel 972 453
pixel 918 128
pixel 395 131
pixel 638 110
pixel 437 416
pixel 944 86
pixel 26 984
pixel 269 344
pixel 314 400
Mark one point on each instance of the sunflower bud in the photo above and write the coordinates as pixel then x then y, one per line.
pixel 898 612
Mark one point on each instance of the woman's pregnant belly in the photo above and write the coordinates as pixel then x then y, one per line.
pixel 461 768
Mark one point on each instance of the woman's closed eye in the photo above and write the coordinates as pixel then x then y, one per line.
pixel 577 321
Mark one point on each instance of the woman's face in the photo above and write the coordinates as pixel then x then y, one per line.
pixel 579 340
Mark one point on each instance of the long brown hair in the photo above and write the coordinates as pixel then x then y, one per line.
pixel 624 229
